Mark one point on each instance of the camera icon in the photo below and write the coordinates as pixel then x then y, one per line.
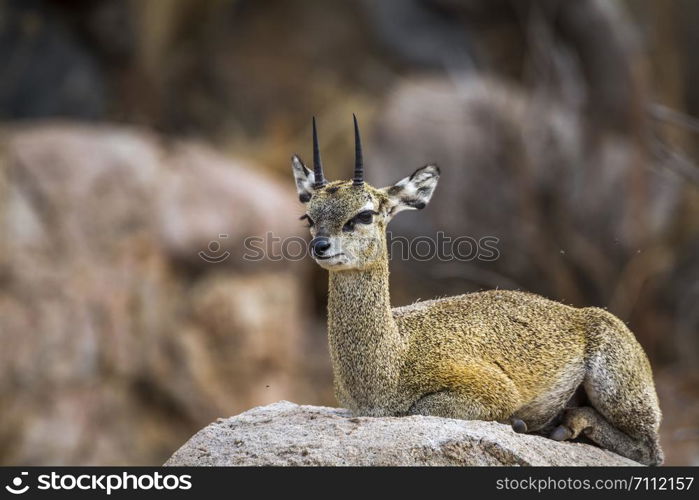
pixel 214 254
pixel 16 487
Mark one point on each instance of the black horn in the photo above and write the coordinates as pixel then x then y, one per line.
pixel 358 179
pixel 319 180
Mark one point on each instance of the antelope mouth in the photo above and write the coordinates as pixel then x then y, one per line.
pixel 330 256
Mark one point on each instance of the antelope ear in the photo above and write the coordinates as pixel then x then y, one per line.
pixel 304 179
pixel 412 193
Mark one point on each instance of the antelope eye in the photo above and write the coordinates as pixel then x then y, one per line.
pixel 365 217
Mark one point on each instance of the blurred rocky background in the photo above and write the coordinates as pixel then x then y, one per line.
pixel 142 142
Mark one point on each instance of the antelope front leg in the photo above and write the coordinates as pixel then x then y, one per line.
pixel 476 392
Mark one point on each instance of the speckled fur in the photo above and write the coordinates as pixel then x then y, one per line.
pixel 495 355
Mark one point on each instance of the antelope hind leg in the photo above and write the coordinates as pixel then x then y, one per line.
pixel 589 422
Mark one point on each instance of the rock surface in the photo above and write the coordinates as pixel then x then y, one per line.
pixel 284 433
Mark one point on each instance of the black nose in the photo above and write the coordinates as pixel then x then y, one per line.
pixel 320 245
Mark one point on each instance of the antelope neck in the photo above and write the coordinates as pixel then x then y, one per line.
pixel 365 344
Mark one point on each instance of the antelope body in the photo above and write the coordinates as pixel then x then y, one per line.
pixel 499 355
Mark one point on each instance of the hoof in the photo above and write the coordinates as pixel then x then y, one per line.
pixel 561 433
pixel 518 425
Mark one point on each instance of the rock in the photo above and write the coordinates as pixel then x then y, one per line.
pixel 117 341
pixel 284 433
pixel 572 218
pixel 203 197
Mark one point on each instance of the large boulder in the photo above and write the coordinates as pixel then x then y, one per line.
pixel 117 340
pixel 566 217
pixel 284 433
